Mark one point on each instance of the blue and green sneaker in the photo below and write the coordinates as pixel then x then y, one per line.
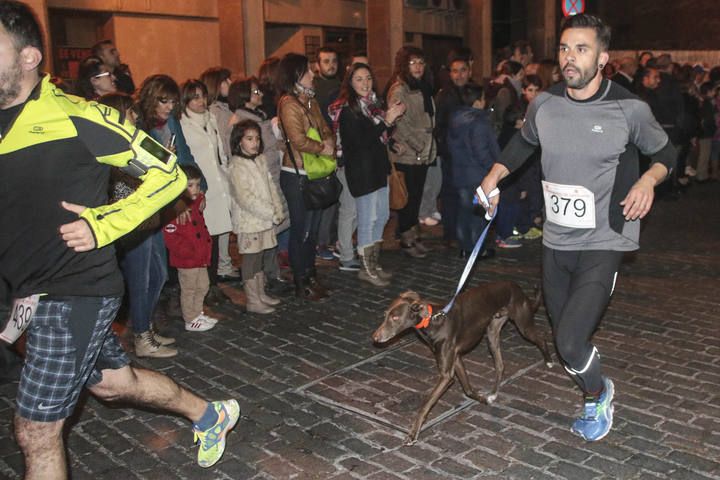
pixel 597 416
pixel 212 440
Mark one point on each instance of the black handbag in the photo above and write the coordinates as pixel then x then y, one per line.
pixel 317 194
pixel 320 193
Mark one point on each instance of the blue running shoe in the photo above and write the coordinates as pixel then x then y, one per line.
pixel 597 416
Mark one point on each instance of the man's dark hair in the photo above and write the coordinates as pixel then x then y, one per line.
pixel 99 46
pixel 714 75
pixel 582 20
pixel 459 54
pixel 706 88
pixel 511 67
pixel 191 172
pixel 470 93
pixel 19 21
pixel 644 72
pixel 532 80
pixel 326 50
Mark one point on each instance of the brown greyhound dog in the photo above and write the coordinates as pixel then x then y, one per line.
pixel 484 308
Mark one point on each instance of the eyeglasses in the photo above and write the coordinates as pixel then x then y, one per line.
pixel 166 100
pixel 417 61
pixel 256 91
pixel 104 74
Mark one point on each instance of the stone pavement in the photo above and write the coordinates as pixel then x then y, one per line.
pixel 321 401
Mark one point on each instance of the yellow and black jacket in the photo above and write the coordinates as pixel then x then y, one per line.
pixel 60 147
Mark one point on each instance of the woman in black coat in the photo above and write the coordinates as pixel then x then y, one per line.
pixel 361 128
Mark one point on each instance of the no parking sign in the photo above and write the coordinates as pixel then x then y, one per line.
pixel 573 7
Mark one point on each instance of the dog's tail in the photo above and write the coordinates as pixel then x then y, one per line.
pixel 538 299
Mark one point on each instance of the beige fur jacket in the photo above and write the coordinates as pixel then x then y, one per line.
pixel 257 202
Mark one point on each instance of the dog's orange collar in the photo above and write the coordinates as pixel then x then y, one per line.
pixel 426 320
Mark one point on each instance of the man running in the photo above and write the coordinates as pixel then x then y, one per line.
pixel 56 252
pixel 590 130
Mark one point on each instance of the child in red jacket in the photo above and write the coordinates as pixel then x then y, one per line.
pixel 189 244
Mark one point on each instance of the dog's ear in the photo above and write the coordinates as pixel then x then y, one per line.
pixel 416 307
pixel 410 295
pixel 420 309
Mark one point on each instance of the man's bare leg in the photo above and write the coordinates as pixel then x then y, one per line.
pixel 149 388
pixel 42 446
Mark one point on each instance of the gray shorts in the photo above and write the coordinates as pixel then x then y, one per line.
pixel 69 342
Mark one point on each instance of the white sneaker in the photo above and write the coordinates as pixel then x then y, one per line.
pixel 199 325
pixel 208 318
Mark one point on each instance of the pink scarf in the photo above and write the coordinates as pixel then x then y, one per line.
pixel 370 108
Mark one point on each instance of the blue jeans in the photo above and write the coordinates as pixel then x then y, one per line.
pixel 507 214
pixel 144 266
pixel 304 226
pixel 470 219
pixel 373 211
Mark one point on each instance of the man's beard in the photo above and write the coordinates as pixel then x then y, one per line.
pixel 10 83
pixel 583 78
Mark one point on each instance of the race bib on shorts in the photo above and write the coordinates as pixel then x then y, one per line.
pixel 20 316
pixel 569 206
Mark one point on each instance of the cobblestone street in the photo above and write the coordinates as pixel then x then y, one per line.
pixel 320 401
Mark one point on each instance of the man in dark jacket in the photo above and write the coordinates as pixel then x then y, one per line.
pixel 447 100
pixel 472 146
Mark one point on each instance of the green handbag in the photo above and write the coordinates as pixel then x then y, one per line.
pixel 315 165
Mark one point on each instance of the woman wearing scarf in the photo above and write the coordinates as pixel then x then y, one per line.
pixel 298 111
pixel 412 147
pixel 203 136
pixel 362 133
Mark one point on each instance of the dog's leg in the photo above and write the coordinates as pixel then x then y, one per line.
pixel 493 336
pixel 525 323
pixel 445 362
pixel 465 381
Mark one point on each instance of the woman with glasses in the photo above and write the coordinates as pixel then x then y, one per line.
pixel 245 99
pixel 145 261
pixel 298 111
pixel 203 137
pixel 412 146
pixel 95 79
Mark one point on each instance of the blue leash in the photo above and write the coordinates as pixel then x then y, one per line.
pixel 469 265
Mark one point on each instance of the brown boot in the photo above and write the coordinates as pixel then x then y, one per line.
pixel 383 274
pixel 367 272
pixel 418 241
pixel 147 346
pixel 264 297
pixel 254 304
pixel 407 242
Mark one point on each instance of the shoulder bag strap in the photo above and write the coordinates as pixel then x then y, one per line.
pixel 287 144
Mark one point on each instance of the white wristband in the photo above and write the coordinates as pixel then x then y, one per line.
pixel 485 200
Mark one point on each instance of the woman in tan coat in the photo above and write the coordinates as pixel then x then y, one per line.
pixel 412 146
pixel 298 111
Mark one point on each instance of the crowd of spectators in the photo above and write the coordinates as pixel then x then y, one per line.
pixel 248 137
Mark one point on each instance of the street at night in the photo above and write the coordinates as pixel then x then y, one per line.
pixel 319 400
